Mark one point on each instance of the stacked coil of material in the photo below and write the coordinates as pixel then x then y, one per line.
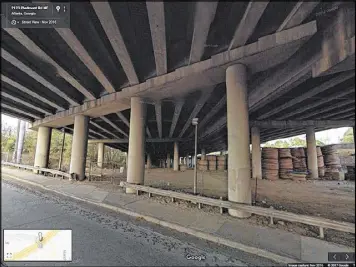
pixel 285 163
pixel 321 165
pixel 202 165
pixel 350 175
pixel 299 159
pixel 270 166
pixel 211 162
pixel 332 163
pixel 222 159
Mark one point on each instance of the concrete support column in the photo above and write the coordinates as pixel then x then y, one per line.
pixel 168 161
pixel 353 128
pixel 79 146
pixel 101 148
pixel 136 164
pixel 42 147
pixel 312 154
pixel 176 157
pixel 149 162
pixel 20 141
pixel 239 184
pixel 256 153
pixel 17 140
pixel 203 154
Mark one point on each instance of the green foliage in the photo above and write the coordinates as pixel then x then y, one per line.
pixel 348 136
pixel 294 142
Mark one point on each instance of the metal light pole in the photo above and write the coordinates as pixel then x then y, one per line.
pixel 195 122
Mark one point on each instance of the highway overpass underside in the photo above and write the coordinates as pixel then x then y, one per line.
pixel 136 74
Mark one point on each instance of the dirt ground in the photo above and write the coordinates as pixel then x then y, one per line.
pixel 328 199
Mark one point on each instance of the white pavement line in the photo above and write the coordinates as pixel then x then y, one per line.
pixel 179 228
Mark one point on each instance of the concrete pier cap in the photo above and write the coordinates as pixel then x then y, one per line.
pixel 239 182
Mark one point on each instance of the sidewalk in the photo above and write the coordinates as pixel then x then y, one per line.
pixel 274 244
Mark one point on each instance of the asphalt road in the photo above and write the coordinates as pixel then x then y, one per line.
pixel 105 238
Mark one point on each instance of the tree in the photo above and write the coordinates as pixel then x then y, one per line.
pixel 297 142
pixel 348 136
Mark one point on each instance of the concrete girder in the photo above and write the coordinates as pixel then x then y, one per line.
pixel 95 132
pixel 26 103
pixel 20 110
pixel 204 16
pixel 248 23
pixel 113 125
pixel 103 129
pixel 298 14
pixel 335 114
pixel 149 140
pixel 205 94
pixel 158 109
pixel 18 35
pixel 321 88
pixel 221 123
pixel 148 133
pixel 16 115
pixel 257 56
pixel 108 22
pixel 29 92
pixel 72 41
pixel 177 110
pixel 327 109
pixel 156 19
pixel 123 118
pixel 211 113
pixel 317 103
pixel 21 66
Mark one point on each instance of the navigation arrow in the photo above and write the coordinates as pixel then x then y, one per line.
pixel 334 256
pixel 347 256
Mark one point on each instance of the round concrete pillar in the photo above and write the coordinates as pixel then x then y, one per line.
pixel 101 149
pixel 168 161
pixel 136 155
pixel 20 141
pixel 311 153
pixel 256 153
pixel 42 147
pixel 149 162
pixel 79 146
pixel 239 184
pixel 176 157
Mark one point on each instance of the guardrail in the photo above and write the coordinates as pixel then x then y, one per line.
pixel 321 223
pixel 45 170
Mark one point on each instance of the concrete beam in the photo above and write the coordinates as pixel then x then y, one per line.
pixel 177 110
pixel 156 19
pixel 327 109
pixel 20 110
pixel 108 22
pixel 204 16
pixel 18 35
pixel 16 115
pixel 298 14
pixel 212 112
pixel 29 92
pixel 148 133
pixel 26 103
pixel 205 94
pixel 21 66
pixel 257 56
pixel 123 118
pixel 341 112
pixel 72 41
pixel 114 126
pixel 321 88
pixel 103 129
pixel 95 132
pixel 317 103
pixel 158 109
pixel 289 75
pixel 248 23
pixel 149 140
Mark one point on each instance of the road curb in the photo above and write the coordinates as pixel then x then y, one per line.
pixel 219 240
